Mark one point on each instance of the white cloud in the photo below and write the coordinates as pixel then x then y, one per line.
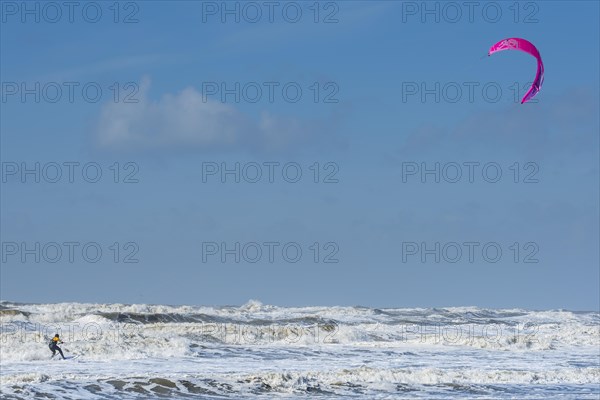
pixel 187 120
pixel 181 119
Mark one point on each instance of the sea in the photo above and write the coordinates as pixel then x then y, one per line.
pixel 258 351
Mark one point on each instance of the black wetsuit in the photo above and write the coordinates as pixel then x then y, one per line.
pixel 54 348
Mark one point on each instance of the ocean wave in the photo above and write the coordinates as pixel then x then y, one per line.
pixel 137 331
pixel 362 381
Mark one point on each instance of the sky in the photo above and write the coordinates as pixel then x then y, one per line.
pixel 299 153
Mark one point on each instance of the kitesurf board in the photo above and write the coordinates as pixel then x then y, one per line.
pixel 70 357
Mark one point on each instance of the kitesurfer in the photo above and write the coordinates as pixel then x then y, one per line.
pixel 53 345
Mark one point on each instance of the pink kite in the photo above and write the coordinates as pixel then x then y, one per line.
pixel 529 48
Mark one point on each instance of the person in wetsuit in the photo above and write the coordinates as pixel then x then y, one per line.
pixel 53 345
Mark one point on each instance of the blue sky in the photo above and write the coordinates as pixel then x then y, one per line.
pixel 365 133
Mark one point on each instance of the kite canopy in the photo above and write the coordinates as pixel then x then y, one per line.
pixel 527 47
